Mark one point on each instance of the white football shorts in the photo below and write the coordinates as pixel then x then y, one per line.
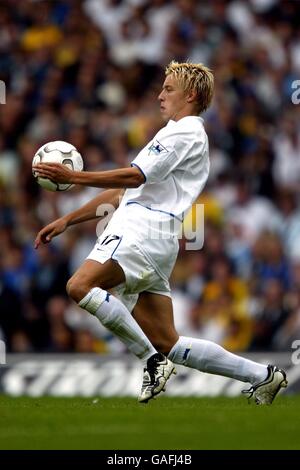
pixel 147 263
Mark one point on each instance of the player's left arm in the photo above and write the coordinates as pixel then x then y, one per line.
pixel 130 177
pixel 90 211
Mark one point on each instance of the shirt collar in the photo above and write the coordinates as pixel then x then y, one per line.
pixel 172 123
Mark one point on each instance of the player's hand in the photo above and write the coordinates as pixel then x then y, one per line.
pixel 50 231
pixel 55 172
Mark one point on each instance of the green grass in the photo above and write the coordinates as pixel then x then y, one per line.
pixel 166 423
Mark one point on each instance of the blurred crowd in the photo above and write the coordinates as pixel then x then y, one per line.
pixel 89 72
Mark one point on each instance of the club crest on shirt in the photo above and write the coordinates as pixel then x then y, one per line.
pixel 157 148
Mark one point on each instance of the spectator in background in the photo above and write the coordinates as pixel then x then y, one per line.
pixel 270 261
pixel 270 317
pixel 290 222
pixel 252 213
pixel 287 148
pixel 222 312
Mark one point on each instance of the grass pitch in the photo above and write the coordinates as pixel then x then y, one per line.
pixel 166 423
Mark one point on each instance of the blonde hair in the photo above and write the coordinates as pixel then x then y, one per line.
pixel 195 77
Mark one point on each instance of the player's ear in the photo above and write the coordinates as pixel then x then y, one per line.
pixel 191 96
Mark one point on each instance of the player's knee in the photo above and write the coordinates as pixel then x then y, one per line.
pixel 77 289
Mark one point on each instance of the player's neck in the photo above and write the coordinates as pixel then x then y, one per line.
pixel 184 113
pixel 178 118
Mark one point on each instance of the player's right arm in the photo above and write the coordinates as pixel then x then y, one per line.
pixel 87 212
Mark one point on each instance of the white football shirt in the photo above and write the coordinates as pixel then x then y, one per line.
pixel 175 165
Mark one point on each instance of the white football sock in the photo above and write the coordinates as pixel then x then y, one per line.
pixel 207 356
pixel 116 318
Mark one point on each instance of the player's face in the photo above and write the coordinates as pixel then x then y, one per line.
pixel 173 100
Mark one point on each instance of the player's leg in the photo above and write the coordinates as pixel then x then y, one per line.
pixel 162 333
pixel 209 357
pixel 154 313
pixel 94 274
pixel 89 288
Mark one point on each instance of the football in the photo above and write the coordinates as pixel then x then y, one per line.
pixel 57 152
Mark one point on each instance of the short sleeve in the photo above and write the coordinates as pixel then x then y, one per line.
pixel 163 155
